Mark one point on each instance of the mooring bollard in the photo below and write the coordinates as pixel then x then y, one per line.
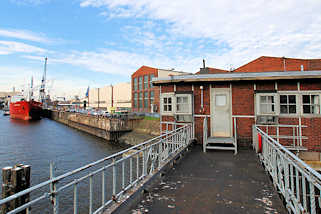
pixel 14 180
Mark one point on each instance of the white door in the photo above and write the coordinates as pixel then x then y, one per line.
pixel 220 112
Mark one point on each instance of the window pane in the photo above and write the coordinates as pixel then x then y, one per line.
pixel 165 100
pixel 306 98
pixel 179 99
pixel 283 109
pixel 292 99
pixel 292 109
pixel 169 107
pixel 150 82
pixel 270 99
pixel 315 109
pixel 283 99
pixel 220 100
pixel 314 99
pixel 263 108
pixel 169 100
pixel 306 109
pixel 263 99
pixel 165 107
pixel 184 99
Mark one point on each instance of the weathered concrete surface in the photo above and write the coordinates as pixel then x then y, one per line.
pixel 142 130
pixel 107 128
pixel 214 182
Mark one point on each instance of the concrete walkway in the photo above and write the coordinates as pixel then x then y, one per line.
pixel 214 182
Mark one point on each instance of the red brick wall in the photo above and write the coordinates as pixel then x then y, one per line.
pixel 285 85
pixel 243 104
pixel 310 85
pixel 141 72
pixel 269 64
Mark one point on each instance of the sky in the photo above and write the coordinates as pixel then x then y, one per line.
pixel 102 42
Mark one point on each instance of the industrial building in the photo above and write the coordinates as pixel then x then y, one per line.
pixel 111 97
pixel 145 97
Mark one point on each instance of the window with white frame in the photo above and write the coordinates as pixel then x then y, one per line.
pixel 167 100
pixel 288 104
pixel 311 104
pixel 266 104
pixel 183 104
pixel 179 104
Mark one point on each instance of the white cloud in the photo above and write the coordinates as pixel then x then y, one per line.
pixel 249 29
pixel 10 47
pixel 24 35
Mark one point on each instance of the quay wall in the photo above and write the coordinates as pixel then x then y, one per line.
pixel 109 129
pixel 131 131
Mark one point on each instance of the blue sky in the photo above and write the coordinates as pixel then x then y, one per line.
pixel 101 42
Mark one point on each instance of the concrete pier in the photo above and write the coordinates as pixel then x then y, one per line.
pixel 107 128
pixel 214 182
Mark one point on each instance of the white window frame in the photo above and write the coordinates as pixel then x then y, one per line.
pixel 301 103
pixel 298 104
pixel 189 104
pixel 258 103
pixel 167 95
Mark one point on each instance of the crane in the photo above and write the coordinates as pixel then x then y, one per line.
pixel 42 94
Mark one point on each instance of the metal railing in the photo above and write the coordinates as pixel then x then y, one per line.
pixel 299 184
pixel 294 134
pixel 116 174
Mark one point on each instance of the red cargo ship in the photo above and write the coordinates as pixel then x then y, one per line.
pixel 25 110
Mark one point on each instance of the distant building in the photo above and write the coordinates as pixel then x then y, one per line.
pixel 6 96
pixel 110 97
pixel 145 96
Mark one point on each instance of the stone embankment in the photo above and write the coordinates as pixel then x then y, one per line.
pixel 108 128
pixel 129 131
pixel 143 129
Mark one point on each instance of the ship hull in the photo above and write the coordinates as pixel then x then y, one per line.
pixel 25 110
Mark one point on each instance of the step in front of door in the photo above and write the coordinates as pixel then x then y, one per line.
pixel 220 147
pixel 221 140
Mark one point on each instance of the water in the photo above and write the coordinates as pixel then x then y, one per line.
pixel 36 143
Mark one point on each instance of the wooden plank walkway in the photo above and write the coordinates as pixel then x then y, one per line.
pixel 214 182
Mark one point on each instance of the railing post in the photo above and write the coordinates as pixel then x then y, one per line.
pixel 312 198
pixel 91 194
pixel 103 186
pixel 159 153
pixel 131 170
pixel 75 199
pixel 53 189
pixel 114 178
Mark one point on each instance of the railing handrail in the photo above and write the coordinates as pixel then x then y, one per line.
pixel 281 125
pixel 60 177
pixel 289 153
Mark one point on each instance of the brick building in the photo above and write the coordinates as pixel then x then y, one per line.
pixel 145 97
pixel 279 94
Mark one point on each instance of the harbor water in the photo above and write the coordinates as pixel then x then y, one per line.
pixel 37 143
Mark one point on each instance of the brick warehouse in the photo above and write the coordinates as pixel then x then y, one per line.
pixel 279 94
pixel 145 97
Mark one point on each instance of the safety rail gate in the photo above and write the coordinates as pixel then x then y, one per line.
pixel 117 174
pixel 298 183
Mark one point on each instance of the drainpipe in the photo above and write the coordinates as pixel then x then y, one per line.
pixel 202 103
pixel 284 65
